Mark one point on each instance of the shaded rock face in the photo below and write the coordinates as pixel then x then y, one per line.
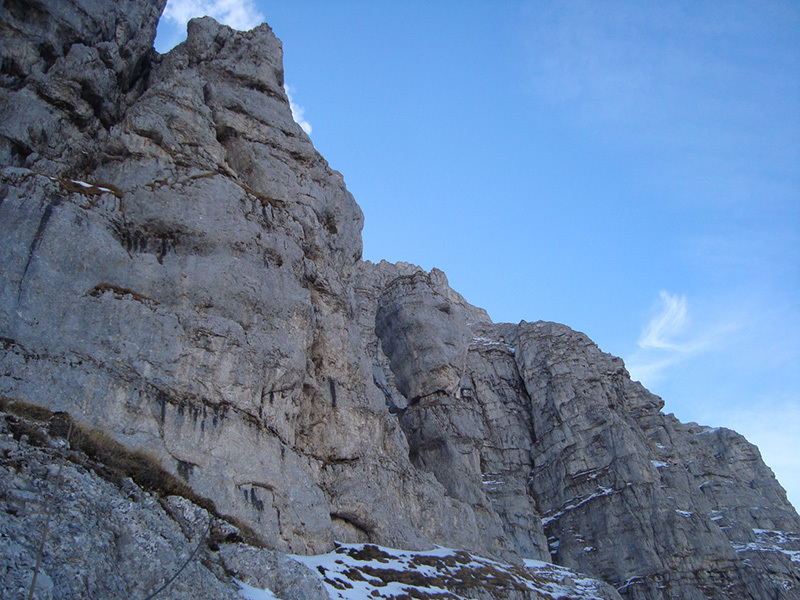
pixel 182 269
pixel 128 545
pixel 68 71
pixel 191 292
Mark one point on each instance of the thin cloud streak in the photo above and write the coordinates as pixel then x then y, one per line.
pixel 664 341
pixel 298 112
pixel 239 14
pixel 670 322
pixel 649 370
pixel 683 78
pixel 637 66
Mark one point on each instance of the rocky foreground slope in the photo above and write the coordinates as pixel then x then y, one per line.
pixel 108 537
pixel 182 270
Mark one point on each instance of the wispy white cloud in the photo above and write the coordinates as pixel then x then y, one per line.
pixel 669 323
pixel 639 66
pixel 298 112
pixel 730 362
pixel 648 369
pixel 601 65
pixel 239 14
pixel 670 337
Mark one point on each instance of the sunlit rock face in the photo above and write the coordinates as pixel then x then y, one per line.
pixel 182 269
pixel 423 335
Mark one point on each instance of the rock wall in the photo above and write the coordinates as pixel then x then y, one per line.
pixel 182 269
pixel 145 544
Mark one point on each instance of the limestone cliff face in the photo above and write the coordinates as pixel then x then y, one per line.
pixel 182 269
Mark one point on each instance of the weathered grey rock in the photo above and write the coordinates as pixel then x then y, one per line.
pixel 616 500
pixel 110 538
pixel 261 568
pixel 181 269
pixel 68 71
pixel 493 387
pixel 199 277
pixel 103 541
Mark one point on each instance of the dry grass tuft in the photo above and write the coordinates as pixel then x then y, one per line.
pixel 110 459
pixel 144 468
pixel 24 409
pixel 120 292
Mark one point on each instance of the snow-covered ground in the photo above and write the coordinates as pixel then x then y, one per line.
pixel 366 571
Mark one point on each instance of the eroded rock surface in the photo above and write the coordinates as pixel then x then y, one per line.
pixel 620 485
pixel 182 269
pixel 105 536
pixel 106 540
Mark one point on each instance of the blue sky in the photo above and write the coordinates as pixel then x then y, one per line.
pixel 630 169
